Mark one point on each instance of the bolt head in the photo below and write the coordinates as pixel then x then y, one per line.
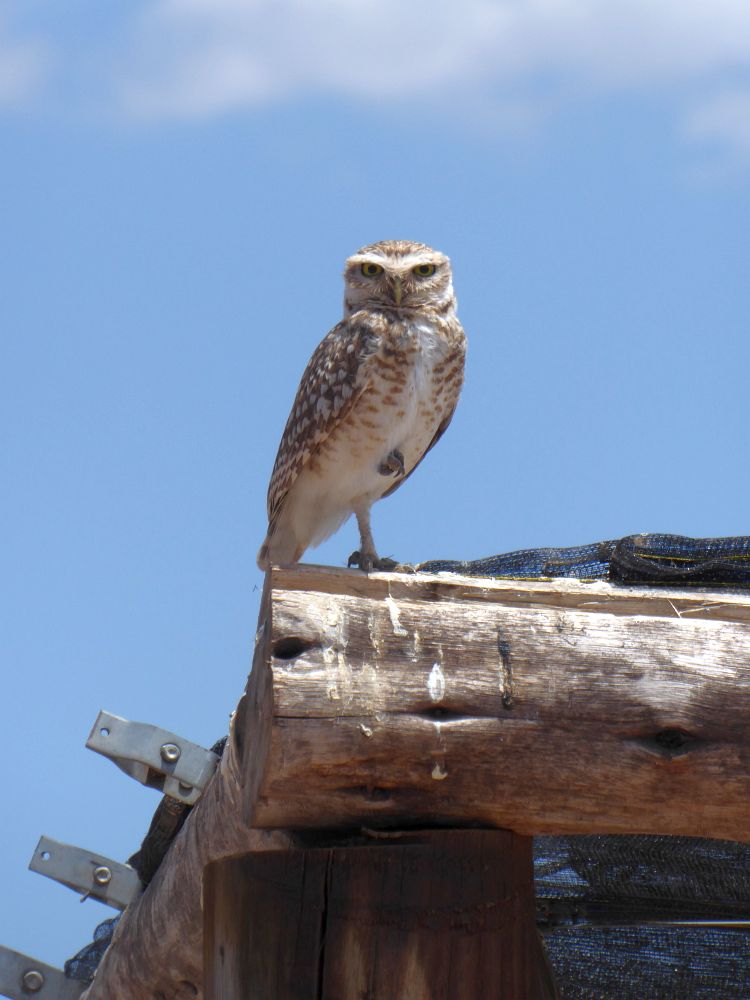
pixel 102 875
pixel 32 981
pixel 170 753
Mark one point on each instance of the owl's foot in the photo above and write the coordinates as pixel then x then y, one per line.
pixel 359 559
pixel 393 464
pixel 368 561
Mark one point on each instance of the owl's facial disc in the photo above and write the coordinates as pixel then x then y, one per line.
pixel 397 275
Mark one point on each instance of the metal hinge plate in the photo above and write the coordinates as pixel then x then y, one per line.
pixel 22 977
pixel 85 872
pixel 154 756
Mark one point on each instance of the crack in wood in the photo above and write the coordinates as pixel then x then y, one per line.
pixel 373 793
pixel 503 648
pixel 327 874
pixel 368 724
pixel 444 714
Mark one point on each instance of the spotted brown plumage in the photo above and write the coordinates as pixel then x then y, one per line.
pixel 378 392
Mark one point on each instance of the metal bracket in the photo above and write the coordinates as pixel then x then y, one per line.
pixel 83 871
pixel 153 756
pixel 22 977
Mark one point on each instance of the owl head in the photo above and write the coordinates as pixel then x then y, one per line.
pixel 398 275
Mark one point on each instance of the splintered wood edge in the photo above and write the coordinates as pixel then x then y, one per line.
pixel 561 592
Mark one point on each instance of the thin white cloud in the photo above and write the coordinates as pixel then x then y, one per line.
pixel 498 59
pixel 723 119
pixel 199 55
pixel 22 68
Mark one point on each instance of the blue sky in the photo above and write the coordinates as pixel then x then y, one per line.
pixel 180 182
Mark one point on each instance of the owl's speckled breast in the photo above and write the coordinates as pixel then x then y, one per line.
pixel 409 389
pixel 414 378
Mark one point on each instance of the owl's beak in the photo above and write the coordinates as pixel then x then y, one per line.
pixel 398 290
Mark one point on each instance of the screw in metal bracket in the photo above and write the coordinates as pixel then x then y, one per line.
pixel 32 981
pixel 170 753
pixel 102 875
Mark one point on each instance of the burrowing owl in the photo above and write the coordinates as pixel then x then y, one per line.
pixel 377 394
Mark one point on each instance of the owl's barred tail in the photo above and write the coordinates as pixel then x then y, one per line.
pixel 263 561
pixel 280 548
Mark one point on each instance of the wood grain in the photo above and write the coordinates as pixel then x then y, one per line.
pixel 434 915
pixel 538 708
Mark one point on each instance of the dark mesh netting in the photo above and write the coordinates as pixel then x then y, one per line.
pixel 608 905
pixel 650 963
pixel 623 918
pixel 84 963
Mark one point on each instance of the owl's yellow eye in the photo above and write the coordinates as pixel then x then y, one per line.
pixel 424 270
pixel 371 270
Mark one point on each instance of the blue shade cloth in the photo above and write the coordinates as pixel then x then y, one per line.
pixel 583 562
pixel 643 559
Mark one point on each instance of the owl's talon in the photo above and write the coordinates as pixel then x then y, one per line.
pixel 367 563
pixel 362 560
pixel 393 464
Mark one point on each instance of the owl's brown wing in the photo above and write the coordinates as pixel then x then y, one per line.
pixel 335 378
pixel 438 434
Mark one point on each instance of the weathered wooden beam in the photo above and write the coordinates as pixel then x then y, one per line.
pixel 434 915
pixel 540 707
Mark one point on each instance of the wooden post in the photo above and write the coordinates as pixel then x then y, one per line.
pixel 438 915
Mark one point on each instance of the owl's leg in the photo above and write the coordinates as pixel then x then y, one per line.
pixel 366 557
pixel 393 464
